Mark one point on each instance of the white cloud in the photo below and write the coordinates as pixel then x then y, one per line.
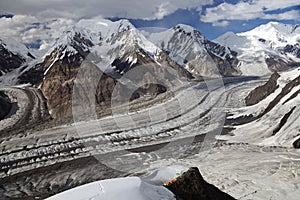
pixel 136 9
pixel 274 5
pixel 221 23
pixel 247 10
pixel 22 26
pixel 29 29
pixel 290 15
pixel 162 10
pixel 45 20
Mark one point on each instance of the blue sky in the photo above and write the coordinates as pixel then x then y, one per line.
pixel 211 31
pixel 41 22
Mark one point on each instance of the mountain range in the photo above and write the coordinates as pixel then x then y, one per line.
pixel 115 48
pixel 229 106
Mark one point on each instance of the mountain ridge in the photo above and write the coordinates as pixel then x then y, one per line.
pixel 267 48
pixel 115 48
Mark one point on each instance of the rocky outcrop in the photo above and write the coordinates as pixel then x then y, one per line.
pixel 293 49
pixel 191 186
pixel 261 92
pixel 34 75
pixel 224 58
pixel 5 105
pixel 296 144
pixel 141 58
pixel 283 121
pixel 277 65
pixel 285 90
pixel 57 86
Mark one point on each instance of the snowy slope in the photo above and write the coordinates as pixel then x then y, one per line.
pixel 13 57
pixel 114 47
pixel 106 39
pixel 276 34
pixel 264 49
pixel 133 188
pixel 16 48
pixel 275 119
pixel 189 48
pixel 100 41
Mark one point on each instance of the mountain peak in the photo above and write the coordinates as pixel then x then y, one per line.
pixel 102 24
pixel 260 47
pixel 184 27
pixel 189 30
pixel 90 33
pixel 275 27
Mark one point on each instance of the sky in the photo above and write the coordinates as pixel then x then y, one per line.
pixel 37 22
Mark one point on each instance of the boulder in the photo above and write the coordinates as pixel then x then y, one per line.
pixel 191 186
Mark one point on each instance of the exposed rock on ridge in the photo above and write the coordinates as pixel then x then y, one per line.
pixel 191 186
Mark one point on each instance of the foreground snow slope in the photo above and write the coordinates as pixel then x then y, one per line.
pixel 133 188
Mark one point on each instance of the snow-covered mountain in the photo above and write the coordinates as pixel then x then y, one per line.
pixel 266 48
pixel 188 47
pixel 107 40
pixel 12 55
pixel 117 47
pixel 272 117
pixel 114 47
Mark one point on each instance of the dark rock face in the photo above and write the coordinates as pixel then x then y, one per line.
pixel 191 186
pixel 123 65
pixel 283 121
pixel 5 105
pixel 33 75
pixel 262 40
pixel 200 61
pixel 285 90
pixel 8 60
pixel 276 65
pixel 296 144
pixel 293 49
pixel 57 84
pixel 263 91
pixel 226 62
